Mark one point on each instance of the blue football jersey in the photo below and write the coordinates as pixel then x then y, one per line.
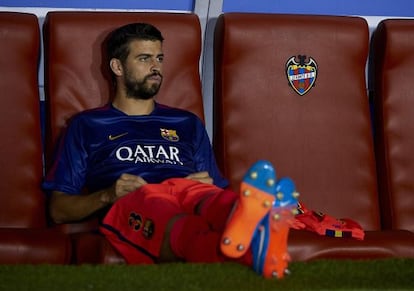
pixel 101 144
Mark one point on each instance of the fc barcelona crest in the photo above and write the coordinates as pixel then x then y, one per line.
pixel 301 73
pixel 169 134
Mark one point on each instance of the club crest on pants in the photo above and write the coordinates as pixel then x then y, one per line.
pixel 148 229
pixel 135 221
pixel 301 73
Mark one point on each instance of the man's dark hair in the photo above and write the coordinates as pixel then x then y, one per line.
pixel 118 41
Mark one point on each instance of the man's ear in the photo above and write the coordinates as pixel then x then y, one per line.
pixel 116 67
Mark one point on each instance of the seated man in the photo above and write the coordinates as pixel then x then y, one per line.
pixel 153 167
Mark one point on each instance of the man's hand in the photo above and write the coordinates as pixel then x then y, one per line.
pixel 202 177
pixel 125 184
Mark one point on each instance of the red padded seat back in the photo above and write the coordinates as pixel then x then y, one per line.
pixel 392 65
pixel 21 199
pixel 77 77
pixel 322 139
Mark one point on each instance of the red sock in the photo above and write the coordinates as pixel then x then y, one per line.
pixel 216 209
pixel 211 202
pixel 192 240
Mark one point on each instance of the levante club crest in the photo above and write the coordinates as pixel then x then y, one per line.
pixel 301 73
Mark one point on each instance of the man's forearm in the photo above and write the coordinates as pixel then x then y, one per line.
pixel 70 208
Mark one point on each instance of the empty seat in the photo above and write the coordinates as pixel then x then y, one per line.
pixel 291 89
pixel 391 73
pixel 24 236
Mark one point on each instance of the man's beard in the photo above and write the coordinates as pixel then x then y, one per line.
pixel 141 89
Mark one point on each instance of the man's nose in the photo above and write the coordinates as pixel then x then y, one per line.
pixel 155 65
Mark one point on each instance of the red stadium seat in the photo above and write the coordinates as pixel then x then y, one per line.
pixel 392 73
pixel 291 89
pixel 76 78
pixel 24 235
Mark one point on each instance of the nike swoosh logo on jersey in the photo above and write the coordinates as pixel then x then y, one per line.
pixel 114 137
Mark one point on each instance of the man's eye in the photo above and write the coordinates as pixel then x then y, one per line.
pixel 160 59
